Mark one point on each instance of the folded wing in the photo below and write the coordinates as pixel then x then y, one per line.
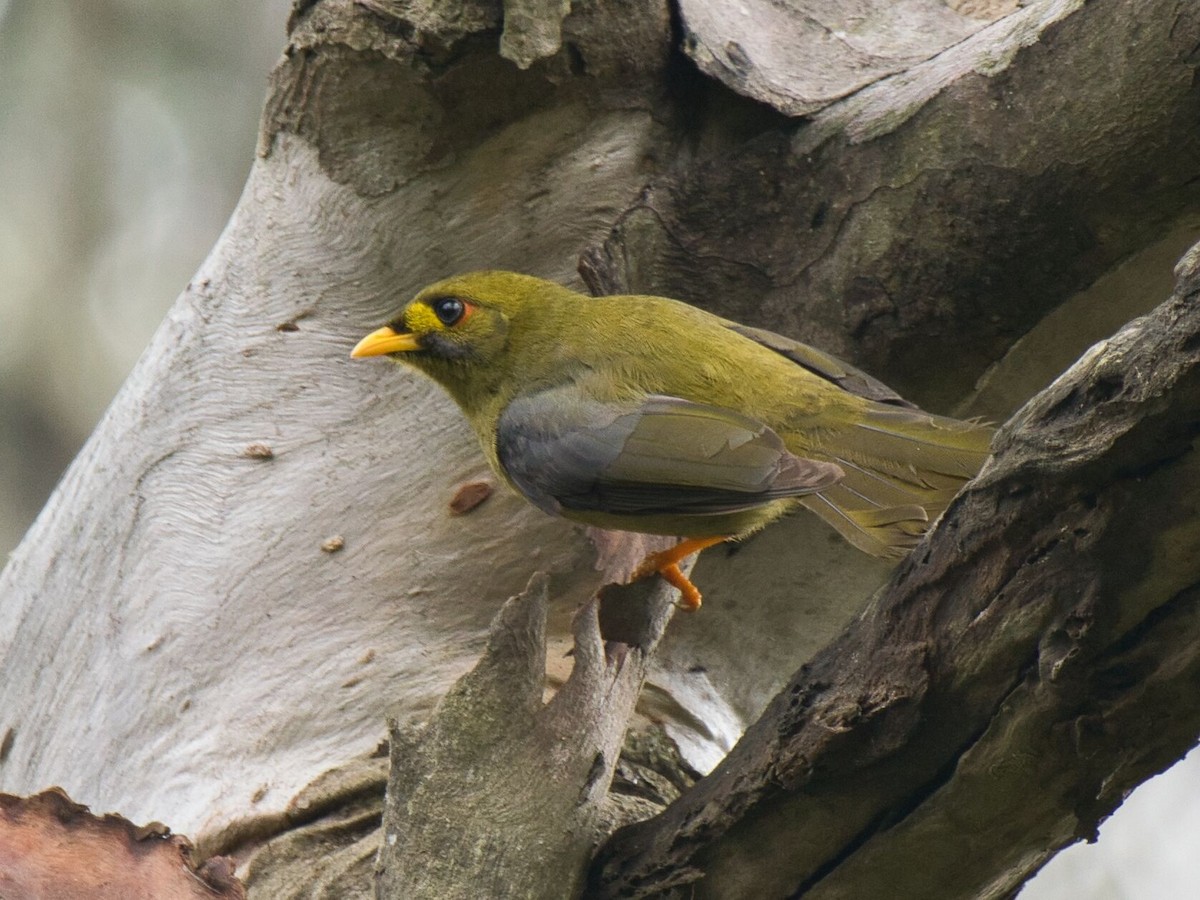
pixel 657 455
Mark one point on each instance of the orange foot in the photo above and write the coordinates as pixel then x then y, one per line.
pixel 666 564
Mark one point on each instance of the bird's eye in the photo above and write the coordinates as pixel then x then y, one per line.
pixel 449 310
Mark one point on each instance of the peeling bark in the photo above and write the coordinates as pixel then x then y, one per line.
pixel 53 847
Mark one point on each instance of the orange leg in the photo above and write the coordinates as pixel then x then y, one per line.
pixel 666 564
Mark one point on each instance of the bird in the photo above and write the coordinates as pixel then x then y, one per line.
pixel 647 414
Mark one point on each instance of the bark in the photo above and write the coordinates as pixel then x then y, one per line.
pixel 51 847
pixel 1019 674
pixel 257 557
pixel 502 795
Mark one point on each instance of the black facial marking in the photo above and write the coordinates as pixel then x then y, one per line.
pixel 446 348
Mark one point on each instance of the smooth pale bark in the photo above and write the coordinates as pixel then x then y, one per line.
pixel 848 45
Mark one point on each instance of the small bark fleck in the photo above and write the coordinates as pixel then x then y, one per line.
pixel 468 496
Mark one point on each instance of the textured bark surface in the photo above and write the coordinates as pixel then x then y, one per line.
pixel 256 557
pixel 502 795
pixel 1012 681
pixel 941 213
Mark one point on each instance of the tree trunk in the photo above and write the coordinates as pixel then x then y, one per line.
pixel 255 558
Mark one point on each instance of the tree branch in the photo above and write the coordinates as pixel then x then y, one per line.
pixel 1023 670
pixel 500 795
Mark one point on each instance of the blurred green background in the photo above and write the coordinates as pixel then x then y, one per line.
pixel 127 128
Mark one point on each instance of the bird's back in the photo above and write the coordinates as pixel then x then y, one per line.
pixel 902 465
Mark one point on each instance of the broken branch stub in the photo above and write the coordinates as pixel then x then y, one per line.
pixel 500 794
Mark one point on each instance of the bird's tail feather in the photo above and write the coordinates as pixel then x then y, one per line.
pixel 902 468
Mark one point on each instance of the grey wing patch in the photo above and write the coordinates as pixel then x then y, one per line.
pixel 832 369
pixel 660 455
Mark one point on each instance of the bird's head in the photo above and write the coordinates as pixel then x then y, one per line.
pixel 458 331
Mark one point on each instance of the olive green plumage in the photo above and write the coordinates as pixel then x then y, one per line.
pixel 646 414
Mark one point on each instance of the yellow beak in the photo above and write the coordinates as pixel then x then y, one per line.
pixel 384 340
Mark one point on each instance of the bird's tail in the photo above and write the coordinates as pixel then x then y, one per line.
pixel 902 468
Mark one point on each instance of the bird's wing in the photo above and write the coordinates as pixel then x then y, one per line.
pixel 652 456
pixel 832 369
